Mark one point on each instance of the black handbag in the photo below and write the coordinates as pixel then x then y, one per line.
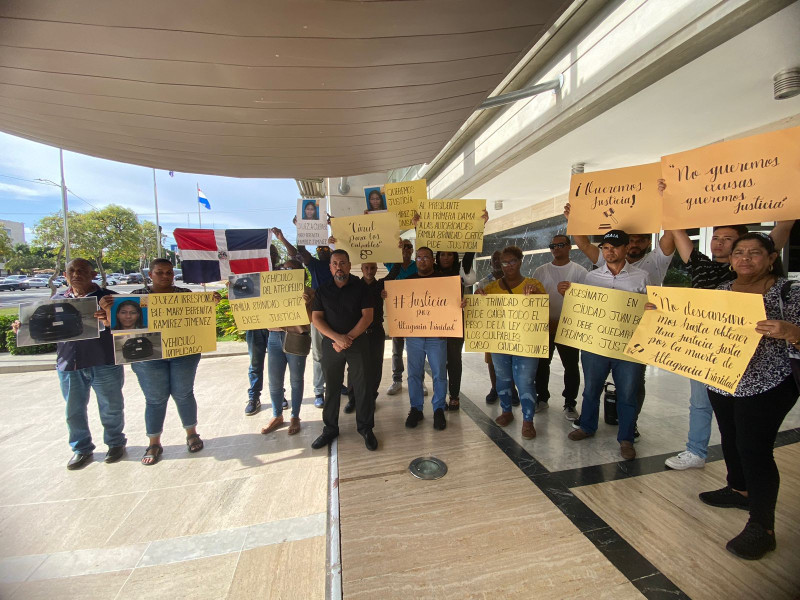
pixel 137 348
pixel 56 321
pixel 297 343
pixel 610 404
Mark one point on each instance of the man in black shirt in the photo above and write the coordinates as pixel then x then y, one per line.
pixel 375 334
pixel 342 311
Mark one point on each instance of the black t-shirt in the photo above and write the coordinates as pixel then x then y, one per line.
pixel 342 305
pixel 375 288
pixel 708 274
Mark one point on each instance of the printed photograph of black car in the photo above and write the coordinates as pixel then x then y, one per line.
pixel 244 286
pixel 65 319
pixel 136 347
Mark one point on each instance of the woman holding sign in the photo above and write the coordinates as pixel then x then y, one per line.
pixel 749 419
pixel 510 368
pixel 448 264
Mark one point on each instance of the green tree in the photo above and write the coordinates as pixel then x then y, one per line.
pixel 110 231
pixel 6 245
pixel 26 258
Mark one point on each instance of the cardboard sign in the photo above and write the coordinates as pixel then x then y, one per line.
pixel 451 225
pixel 707 335
pixel 750 180
pixel 427 307
pixel 312 222
pixel 404 197
pixel 626 199
pixel 368 238
pixel 507 324
pixel 187 322
pixel 599 320
pixel 277 303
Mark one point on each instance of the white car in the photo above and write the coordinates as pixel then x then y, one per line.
pixel 109 280
pixel 37 282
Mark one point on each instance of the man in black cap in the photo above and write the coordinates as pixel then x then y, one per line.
pixel 342 311
pixel 617 274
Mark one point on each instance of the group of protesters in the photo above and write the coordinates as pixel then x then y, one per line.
pixel 347 335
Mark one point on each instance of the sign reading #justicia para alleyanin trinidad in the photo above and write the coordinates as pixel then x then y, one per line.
pixel 426 307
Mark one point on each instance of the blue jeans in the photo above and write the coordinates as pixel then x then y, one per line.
pixel 522 371
pixel 436 351
pixel 278 360
pixel 161 378
pixel 106 381
pixel 700 416
pixel 318 378
pixel 257 348
pixel 627 379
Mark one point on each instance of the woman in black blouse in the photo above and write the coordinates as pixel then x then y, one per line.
pixel 750 418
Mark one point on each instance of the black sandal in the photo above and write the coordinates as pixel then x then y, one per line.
pixel 154 458
pixel 194 446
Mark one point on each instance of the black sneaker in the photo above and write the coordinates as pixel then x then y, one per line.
pixel 252 408
pixel 725 498
pixel 414 417
pixel 491 397
pixel 753 543
pixel 350 406
pixel 439 422
pixel 514 397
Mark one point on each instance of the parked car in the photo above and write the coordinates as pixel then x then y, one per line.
pixel 135 278
pixel 110 280
pixel 37 282
pixel 17 277
pixel 11 285
pixel 178 274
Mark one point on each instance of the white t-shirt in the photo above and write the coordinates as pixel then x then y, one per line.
pixel 550 275
pixel 654 262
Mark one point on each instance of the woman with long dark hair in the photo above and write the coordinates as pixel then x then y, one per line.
pixel 750 418
pixel 128 315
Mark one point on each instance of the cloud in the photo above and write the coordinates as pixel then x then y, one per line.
pixel 20 191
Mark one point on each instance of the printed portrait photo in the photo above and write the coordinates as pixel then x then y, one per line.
pixel 129 312
pixel 376 199
pixel 310 210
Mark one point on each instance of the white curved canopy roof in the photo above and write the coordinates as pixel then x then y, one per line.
pixel 257 88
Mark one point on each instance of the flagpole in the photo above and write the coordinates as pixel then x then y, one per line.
pixel 158 228
pixel 199 219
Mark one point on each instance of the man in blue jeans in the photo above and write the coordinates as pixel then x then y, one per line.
pixel 617 274
pixel 88 365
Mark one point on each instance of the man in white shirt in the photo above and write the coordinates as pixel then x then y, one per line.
pixel 617 274
pixel 552 274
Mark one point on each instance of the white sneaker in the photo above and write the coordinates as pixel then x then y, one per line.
pixel 395 388
pixel 685 460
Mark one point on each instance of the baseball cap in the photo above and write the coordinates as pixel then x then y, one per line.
pixel 615 237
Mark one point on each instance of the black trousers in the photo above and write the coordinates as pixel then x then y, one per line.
pixel 570 358
pixel 374 366
pixel 748 427
pixel 333 364
pixel 454 346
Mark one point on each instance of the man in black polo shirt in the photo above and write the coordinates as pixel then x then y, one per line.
pixel 342 311
pixel 375 334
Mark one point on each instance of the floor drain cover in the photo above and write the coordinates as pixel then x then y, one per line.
pixel 427 467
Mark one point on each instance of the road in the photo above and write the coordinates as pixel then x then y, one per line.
pixel 14 299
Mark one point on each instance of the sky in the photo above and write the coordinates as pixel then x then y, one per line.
pixel 95 182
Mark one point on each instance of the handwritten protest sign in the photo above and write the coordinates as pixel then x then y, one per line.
pixel 312 222
pixel 451 225
pixel 279 302
pixel 186 321
pixel 508 324
pixel 707 335
pixel 427 307
pixel 599 320
pixel 749 180
pixel 404 197
pixel 626 199
pixel 368 238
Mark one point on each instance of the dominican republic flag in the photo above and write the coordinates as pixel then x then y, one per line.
pixel 201 199
pixel 213 254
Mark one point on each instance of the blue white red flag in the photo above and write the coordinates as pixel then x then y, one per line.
pixel 172 173
pixel 213 254
pixel 201 199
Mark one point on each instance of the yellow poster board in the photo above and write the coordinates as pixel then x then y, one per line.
pixel 368 238
pixel 626 199
pixel 277 303
pixel 187 322
pixel 707 335
pixel 427 307
pixel 599 320
pixel 451 225
pixel 749 180
pixel 507 324
pixel 404 197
